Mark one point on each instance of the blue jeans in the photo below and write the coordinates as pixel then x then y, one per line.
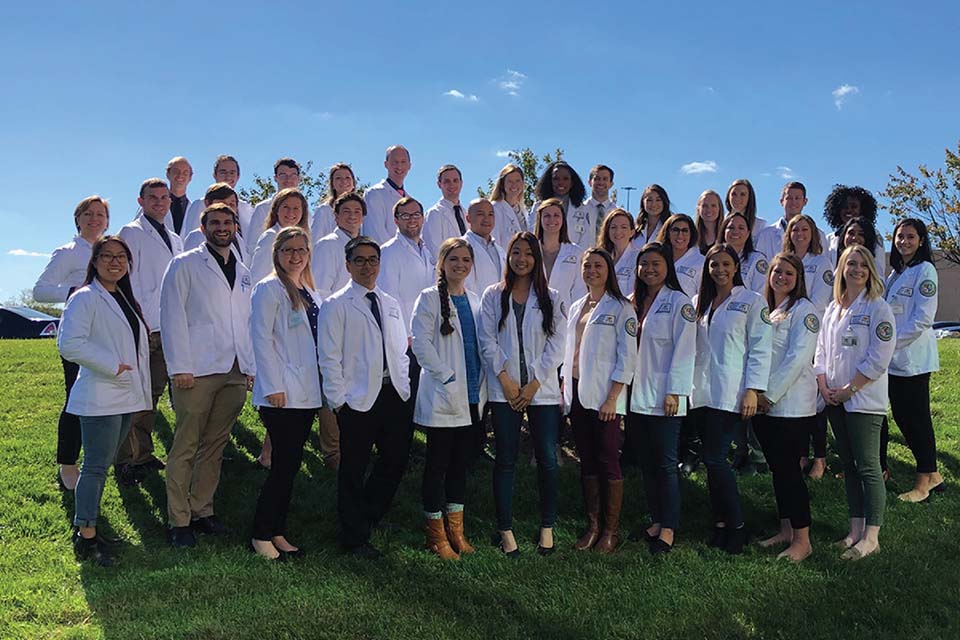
pixel 101 437
pixel 657 438
pixel 544 426
pixel 718 430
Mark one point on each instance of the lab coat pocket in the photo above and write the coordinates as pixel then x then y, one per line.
pixel 202 342
pixel 294 384
pixel 446 399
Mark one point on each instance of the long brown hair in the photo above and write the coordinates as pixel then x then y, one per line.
pixel 815 248
pixel 539 281
pixel 332 194
pixel 702 225
pixel 603 240
pixel 612 285
pixel 708 288
pixel 499 192
pixel 446 247
pixel 671 282
pixel 748 247
pixel 278 200
pixel 799 289
pixel 123 284
pixel 538 227
pixel 306 277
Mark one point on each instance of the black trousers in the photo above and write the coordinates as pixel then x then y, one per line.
pixel 363 500
pixel 817 436
pixel 288 429
pixel 910 403
pixel 414 372
pixel 784 441
pixel 450 453
pixel 68 428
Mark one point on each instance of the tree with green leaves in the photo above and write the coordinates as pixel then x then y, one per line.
pixel 933 196
pixel 530 164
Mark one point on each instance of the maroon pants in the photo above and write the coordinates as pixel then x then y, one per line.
pixel 598 442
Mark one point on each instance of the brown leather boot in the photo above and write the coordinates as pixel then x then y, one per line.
pixel 437 539
pixel 611 518
pixel 454 527
pixel 591 502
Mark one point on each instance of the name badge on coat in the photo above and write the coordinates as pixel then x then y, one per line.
pixel 606 319
pixel 862 319
pixel 742 307
pixel 665 307
pixel 244 283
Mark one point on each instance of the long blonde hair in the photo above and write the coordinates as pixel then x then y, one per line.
pixel 874 282
pixel 306 277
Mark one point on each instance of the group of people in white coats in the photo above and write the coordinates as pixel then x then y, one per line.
pixel 394 319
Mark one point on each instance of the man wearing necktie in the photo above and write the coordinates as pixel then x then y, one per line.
pixel 599 204
pixel 362 343
pixel 447 218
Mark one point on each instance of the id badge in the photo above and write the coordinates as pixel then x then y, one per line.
pixel 897 308
pixel 848 341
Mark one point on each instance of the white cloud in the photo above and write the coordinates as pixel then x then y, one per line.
pixel 707 166
pixel 786 173
pixel 709 90
pixel 511 82
pixel 842 93
pixel 459 95
pixel 503 153
pixel 29 254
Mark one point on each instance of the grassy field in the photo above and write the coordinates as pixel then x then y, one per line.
pixel 218 590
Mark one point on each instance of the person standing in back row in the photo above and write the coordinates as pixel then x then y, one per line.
pixel 205 315
pixel 585 226
pixel 286 173
pixel 447 218
pixel 225 169
pixel 381 197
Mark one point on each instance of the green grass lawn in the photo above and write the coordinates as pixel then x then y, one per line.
pixel 218 590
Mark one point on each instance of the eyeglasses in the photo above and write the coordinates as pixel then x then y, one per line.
pixel 409 216
pixel 113 257
pixel 360 261
pixel 294 251
pixel 680 230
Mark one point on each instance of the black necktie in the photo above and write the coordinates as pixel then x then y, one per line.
pixel 458 211
pixel 375 310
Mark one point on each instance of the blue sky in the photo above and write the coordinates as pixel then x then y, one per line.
pixel 97 96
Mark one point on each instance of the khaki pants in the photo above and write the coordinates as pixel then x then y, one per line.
pixel 205 415
pixel 329 438
pixel 138 447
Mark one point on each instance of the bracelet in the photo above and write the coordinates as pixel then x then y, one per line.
pixel 853 388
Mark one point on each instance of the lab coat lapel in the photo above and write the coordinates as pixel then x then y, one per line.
pixel 212 264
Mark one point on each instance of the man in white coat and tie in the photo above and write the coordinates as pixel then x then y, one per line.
pixel 381 197
pixel 205 315
pixel 362 343
pixel 585 227
pixel 447 218
pixel 152 246
pixel 489 257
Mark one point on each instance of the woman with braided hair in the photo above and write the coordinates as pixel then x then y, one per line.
pixel 451 395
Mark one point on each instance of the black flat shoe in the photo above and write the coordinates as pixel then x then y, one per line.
pixel 718 539
pixel 182 537
pixel 365 551
pixel 736 539
pixel 515 554
pixel 658 547
pixel 299 554
pixel 940 488
pixel 91 549
pixel 210 526
pixel 545 551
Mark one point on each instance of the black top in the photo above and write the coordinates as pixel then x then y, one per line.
pixel 313 312
pixel 162 230
pixel 131 316
pixel 178 209
pixel 518 310
pixel 228 266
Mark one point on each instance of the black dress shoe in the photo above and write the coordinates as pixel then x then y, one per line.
pixel 209 526
pixel 515 554
pixel 736 539
pixel 365 551
pixel 182 537
pixel 129 475
pixel 91 549
pixel 545 551
pixel 299 554
pixel 153 464
pixel 658 547
pixel 718 539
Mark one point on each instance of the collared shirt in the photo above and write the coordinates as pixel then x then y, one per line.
pixel 228 266
pixel 178 210
pixel 162 230
pixel 396 187
pixel 490 246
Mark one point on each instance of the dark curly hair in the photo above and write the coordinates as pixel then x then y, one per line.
pixel 837 201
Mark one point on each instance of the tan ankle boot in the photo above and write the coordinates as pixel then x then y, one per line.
pixel 611 518
pixel 455 536
pixel 437 540
pixel 591 502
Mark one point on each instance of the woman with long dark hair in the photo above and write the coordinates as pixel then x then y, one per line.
pixel 104 332
pixel 741 198
pixel 679 234
pixel 735 231
pixel 64 273
pixel 663 381
pixel 616 235
pixel 709 218
pixel 654 209
pixel 521 336
pixel 340 180
pixel 561 258
pixel 598 364
pixel 911 292
pixel 451 395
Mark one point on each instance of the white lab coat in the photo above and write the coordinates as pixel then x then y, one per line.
pixel 642 238
pixel 257 221
pixel 484 272
pixel 690 271
pixel 328 264
pixel 206 324
pixel 440 223
pixel 95 334
pixel 565 276
pixel 626 268
pixel 879 253
pixel 196 238
pixel 863 340
pixel 793 387
pixel 507 222
pixel 501 349
pixel 284 348
pixel 66 270
pixel 818 274
pixel 753 270
pixel 379 223
pixel 323 223
pixel 404 273
pixel 912 296
pixel 191 219
pixel 574 215
pixel 261 265
pixel 733 351
pixel 351 355
pixel 582 226
pixel 438 403
pixel 608 352
pixel 665 356
pixel 150 259
pixel 769 240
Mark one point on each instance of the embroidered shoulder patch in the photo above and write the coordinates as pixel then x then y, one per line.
pixel 632 326
pixel 765 315
pixel 812 323
pixel 828 277
pixel 762 266
pixel 688 313
pixel 885 331
pixel 928 288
